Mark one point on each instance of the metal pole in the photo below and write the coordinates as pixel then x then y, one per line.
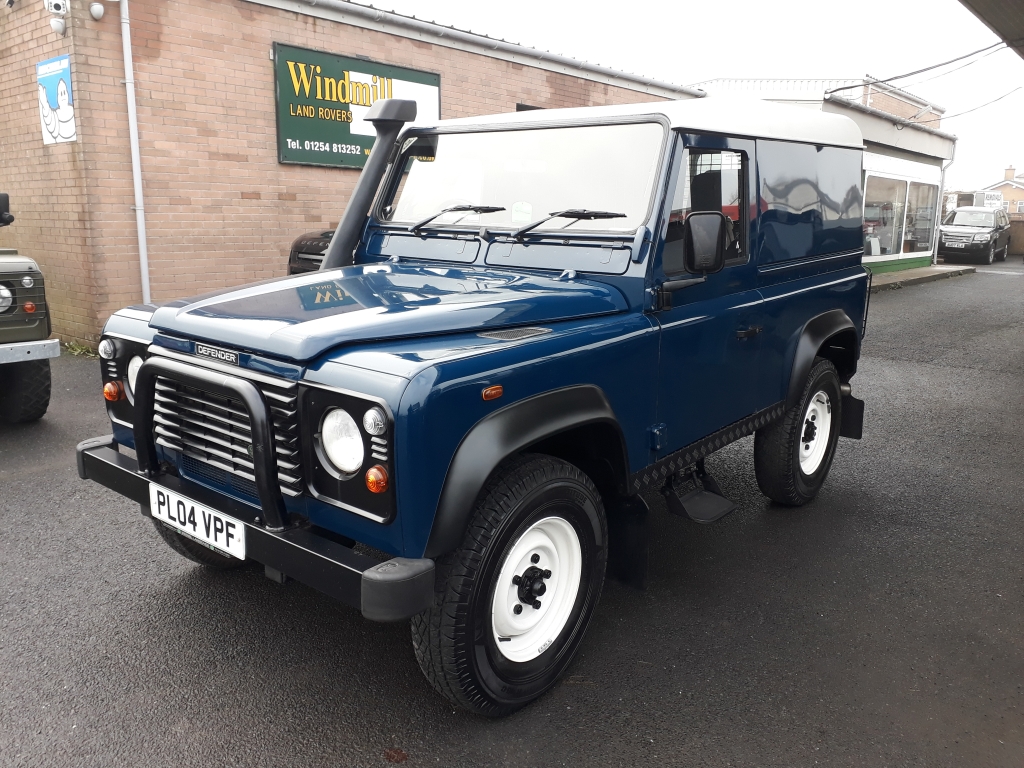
pixel 938 209
pixel 133 139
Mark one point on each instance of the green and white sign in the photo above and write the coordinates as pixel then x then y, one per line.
pixel 322 101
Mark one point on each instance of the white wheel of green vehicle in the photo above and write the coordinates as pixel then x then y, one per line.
pixel 536 589
pixel 816 433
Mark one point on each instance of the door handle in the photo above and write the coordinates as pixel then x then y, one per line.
pixel 748 333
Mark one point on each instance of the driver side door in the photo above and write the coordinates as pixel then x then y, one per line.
pixel 710 336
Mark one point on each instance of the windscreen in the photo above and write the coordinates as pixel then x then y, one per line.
pixel 971 219
pixel 531 174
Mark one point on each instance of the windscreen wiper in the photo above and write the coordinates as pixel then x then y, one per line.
pixel 577 214
pixel 415 228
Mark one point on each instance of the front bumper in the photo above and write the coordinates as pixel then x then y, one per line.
pixel 971 247
pixel 29 350
pixel 392 590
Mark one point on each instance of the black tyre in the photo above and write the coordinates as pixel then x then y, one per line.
pixel 1005 251
pixel 534 556
pixel 990 255
pixel 24 391
pixel 196 552
pixel 792 457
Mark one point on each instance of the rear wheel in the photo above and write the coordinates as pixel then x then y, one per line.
pixel 24 391
pixel 512 604
pixel 196 552
pixel 792 457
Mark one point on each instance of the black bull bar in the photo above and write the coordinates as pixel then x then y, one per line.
pixel 390 591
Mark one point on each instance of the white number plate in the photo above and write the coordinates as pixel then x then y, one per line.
pixel 956 245
pixel 222 533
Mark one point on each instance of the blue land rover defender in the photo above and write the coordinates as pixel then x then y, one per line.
pixel 522 324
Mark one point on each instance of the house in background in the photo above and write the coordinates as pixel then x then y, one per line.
pixel 905 158
pixel 1012 187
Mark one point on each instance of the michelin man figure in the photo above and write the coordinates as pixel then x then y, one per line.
pixel 59 123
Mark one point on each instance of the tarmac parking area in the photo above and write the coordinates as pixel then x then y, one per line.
pixel 882 624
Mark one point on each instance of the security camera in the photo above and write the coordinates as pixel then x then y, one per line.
pixel 59 26
pixel 10 3
pixel 57 7
pixel 96 10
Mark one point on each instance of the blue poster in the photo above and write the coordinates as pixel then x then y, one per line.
pixel 56 101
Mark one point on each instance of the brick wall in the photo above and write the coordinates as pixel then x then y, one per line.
pixel 220 209
pixel 46 183
pixel 894 105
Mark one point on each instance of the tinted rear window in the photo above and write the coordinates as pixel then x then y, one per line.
pixel 810 200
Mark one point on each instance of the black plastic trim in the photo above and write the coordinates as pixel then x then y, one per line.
pixel 502 434
pixel 816 332
pixel 390 591
pixel 852 424
pixel 654 475
pixel 263 453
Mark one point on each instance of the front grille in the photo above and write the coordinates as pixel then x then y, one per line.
pixel 957 238
pixel 15 315
pixel 214 431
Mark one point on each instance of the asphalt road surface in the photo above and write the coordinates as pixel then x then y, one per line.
pixel 881 625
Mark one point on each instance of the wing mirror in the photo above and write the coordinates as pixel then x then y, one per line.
pixel 704 242
pixel 5 206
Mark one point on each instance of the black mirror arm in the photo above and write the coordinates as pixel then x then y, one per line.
pixel 663 293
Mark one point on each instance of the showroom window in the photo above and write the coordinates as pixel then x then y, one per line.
pixel 920 217
pixel 884 204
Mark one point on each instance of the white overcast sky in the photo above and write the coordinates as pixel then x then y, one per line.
pixel 685 42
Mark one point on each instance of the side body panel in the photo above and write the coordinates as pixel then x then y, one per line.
pixel 443 401
pixel 809 248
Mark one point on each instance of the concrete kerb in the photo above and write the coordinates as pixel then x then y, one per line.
pixel 888 281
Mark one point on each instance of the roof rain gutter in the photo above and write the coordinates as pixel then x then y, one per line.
pixel 133 140
pixel 352 13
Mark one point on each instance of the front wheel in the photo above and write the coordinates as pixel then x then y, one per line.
pixel 512 604
pixel 792 456
pixel 990 257
pixel 24 391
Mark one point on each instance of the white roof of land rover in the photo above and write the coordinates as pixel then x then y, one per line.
pixel 730 116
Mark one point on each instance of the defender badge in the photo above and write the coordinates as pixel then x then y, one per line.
pixel 223 355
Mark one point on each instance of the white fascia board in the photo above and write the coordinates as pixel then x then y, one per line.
pixel 366 17
pixel 901 168
pixel 1016 184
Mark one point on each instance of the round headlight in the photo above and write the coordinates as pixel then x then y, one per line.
pixel 375 422
pixel 133 372
pixel 6 298
pixel 107 349
pixel 342 441
pixel 27 282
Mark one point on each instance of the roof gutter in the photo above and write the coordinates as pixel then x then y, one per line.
pixel 449 37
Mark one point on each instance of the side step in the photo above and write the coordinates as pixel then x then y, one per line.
pixel 696 495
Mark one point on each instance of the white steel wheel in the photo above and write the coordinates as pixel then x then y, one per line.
pixel 536 589
pixel 816 433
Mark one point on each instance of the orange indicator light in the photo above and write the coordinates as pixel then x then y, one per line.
pixel 493 393
pixel 113 391
pixel 377 479
pixel 29 307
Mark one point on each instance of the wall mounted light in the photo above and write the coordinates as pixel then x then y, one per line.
pixel 59 26
pixel 96 10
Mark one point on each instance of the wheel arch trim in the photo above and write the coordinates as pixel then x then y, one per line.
pixel 813 335
pixel 506 432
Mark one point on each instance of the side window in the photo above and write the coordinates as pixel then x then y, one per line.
pixel 715 181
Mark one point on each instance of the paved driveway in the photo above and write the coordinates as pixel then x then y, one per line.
pixel 880 625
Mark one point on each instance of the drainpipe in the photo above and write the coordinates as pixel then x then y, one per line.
pixel 133 140
pixel 938 208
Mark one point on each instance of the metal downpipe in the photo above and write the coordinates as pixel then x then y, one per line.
pixel 133 139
